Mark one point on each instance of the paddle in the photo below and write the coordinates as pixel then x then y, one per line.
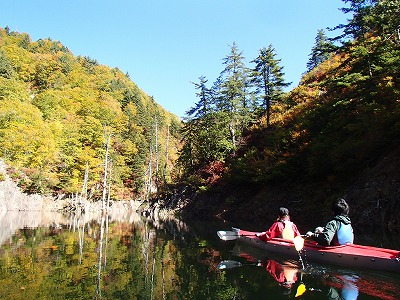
pixel 301 289
pixel 230 264
pixel 298 242
pixel 230 235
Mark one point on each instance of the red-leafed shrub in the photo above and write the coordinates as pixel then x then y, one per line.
pixel 212 172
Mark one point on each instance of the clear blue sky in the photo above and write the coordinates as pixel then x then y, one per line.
pixel 165 45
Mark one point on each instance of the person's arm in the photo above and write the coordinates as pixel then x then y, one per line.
pixel 270 233
pixel 325 238
pixel 275 230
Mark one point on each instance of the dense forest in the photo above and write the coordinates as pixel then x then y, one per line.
pixel 245 147
pixel 67 123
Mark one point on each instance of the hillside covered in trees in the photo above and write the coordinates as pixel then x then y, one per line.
pixel 244 149
pixel 250 147
pixel 70 125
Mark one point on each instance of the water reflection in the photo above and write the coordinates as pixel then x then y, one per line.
pixel 54 256
pixel 102 256
pixel 316 281
pixel 125 256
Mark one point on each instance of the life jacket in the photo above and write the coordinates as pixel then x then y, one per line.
pixel 345 234
pixel 287 232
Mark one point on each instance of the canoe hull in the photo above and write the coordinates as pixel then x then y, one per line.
pixel 355 256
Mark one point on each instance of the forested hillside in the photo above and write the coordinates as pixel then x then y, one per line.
pixel 71 125
pixel 337 134
pixel 248 146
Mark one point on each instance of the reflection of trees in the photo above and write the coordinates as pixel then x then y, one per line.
pixel 100 259
pixel 11 221
pixel 86 258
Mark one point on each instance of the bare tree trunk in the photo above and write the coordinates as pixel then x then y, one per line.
pixel 105 173
pixel 84 194
pixel 232 131
pixel 106 242
pixel 109 188
pixel 166 154
pixel 268 109
pixel 156 151
pixel 149 175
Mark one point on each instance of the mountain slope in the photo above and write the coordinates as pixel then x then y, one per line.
pixel 60 114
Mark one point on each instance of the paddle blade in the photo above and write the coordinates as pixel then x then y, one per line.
pixel 227 235
pixel 298 242
pixel 301 289
pixel 228 264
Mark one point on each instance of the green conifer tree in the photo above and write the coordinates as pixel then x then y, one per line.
pixel 268 78
pixel 233 98
pixel 320 51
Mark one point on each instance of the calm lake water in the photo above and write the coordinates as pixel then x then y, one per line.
pixel 51 256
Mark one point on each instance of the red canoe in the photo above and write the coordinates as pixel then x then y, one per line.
pixel 352 255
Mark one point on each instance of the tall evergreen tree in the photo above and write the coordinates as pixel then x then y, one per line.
pixel 191 154
pixel 204 133
pixel 371 37
pixel 204 105
pixel 233 92
pixel 374 51
pixel 268 78
pixel 380 17
pixel 320 51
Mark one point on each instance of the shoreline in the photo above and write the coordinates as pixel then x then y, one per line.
pixel 12 198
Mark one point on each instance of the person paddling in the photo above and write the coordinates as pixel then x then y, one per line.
pixel 282 227
pixel 337 231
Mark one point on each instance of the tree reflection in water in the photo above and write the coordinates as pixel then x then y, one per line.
pixel 124 256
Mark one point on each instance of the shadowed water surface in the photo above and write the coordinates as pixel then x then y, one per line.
pixel 124 256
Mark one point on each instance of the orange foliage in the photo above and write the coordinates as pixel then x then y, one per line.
pixel 212 172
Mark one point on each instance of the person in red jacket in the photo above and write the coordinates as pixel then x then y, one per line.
pixel 282 228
